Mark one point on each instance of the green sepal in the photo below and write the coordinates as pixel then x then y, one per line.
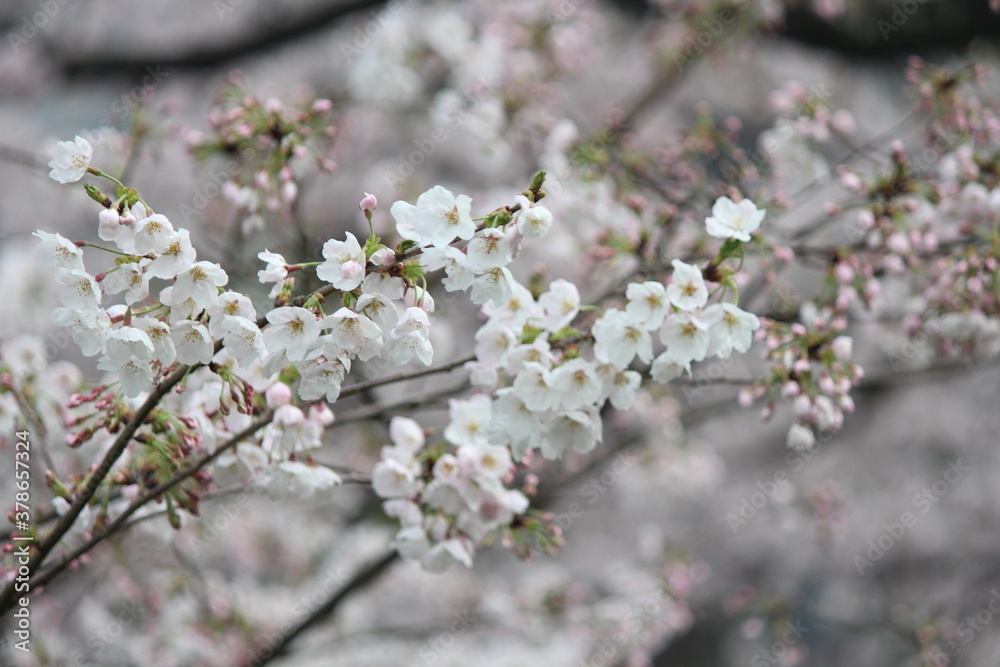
pixel 172 516
pixel 413 271
pixel 529 333
pixel 350 298
pixel 731 248
pixel 565 332
pixel 498 218
pixel 373 244
pixel 98 196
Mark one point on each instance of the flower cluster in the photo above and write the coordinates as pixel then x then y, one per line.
pixel 542 383
pixel 812 369
pixel 269 145
pixel 465 500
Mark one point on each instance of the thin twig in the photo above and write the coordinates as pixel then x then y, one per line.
pixel 359 581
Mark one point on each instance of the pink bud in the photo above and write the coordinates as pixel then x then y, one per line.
pixel 898 243
pixel 352 270
pixel 277 394
pixel 783 253
pixel 842 121
pixel 322 105
pixel 866 220
pixel 320 413
pixel 383 257
pixel 273 105
pixel 850 181
pixel 368 204
pixel 746 397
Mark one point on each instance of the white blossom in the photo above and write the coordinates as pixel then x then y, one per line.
pixel 353 333
pixel 533 385
pixel 344 267
pixel 687 291
pixel 577 384
pixel 469 420
pixel 192 342
pixel 58 252
pixel 533 221
pixel 178 256
pixel 455 264
pixel 89 328
pixel 620 386
pixel 322 380
pixel 560 303
pixel 293 331
pixel 494 285
pixel 647 303
pixel 438 218
pixel 380 309
pixel 228 304
pixel 159 335
pixel 393 479
pixel 127 344
pixel 130 278
pixel 730 328
pixel 200 283
pixel 80 292
pixel 153 234
pixel 487 250
pixel 734 220
pixel 800 438
pixel 70 160
pixel 686 337
pixel 243 339
pixel 579 430
pixel 275 271
pixel 618 339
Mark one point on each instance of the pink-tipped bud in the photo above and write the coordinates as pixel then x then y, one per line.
pixel 320 413
pixel 383 257
pixel 277 394
pixel 352 270
pixel 783 253
pixel 369 203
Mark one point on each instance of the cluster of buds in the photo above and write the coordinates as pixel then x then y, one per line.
pixel 811 369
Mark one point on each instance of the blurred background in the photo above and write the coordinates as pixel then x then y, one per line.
pixel 772 557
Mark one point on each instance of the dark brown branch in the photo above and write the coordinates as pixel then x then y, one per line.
pixel 93 482
pixel 120 522
pixel 212 53
pixel 324 611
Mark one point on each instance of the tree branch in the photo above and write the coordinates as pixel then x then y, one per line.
pixel 324 611
pixel 213 53
pixel 93 482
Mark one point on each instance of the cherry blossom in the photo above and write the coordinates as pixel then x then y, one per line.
pixel 344 267
pixel 70 160
pixel 687 290
pixel 734 220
